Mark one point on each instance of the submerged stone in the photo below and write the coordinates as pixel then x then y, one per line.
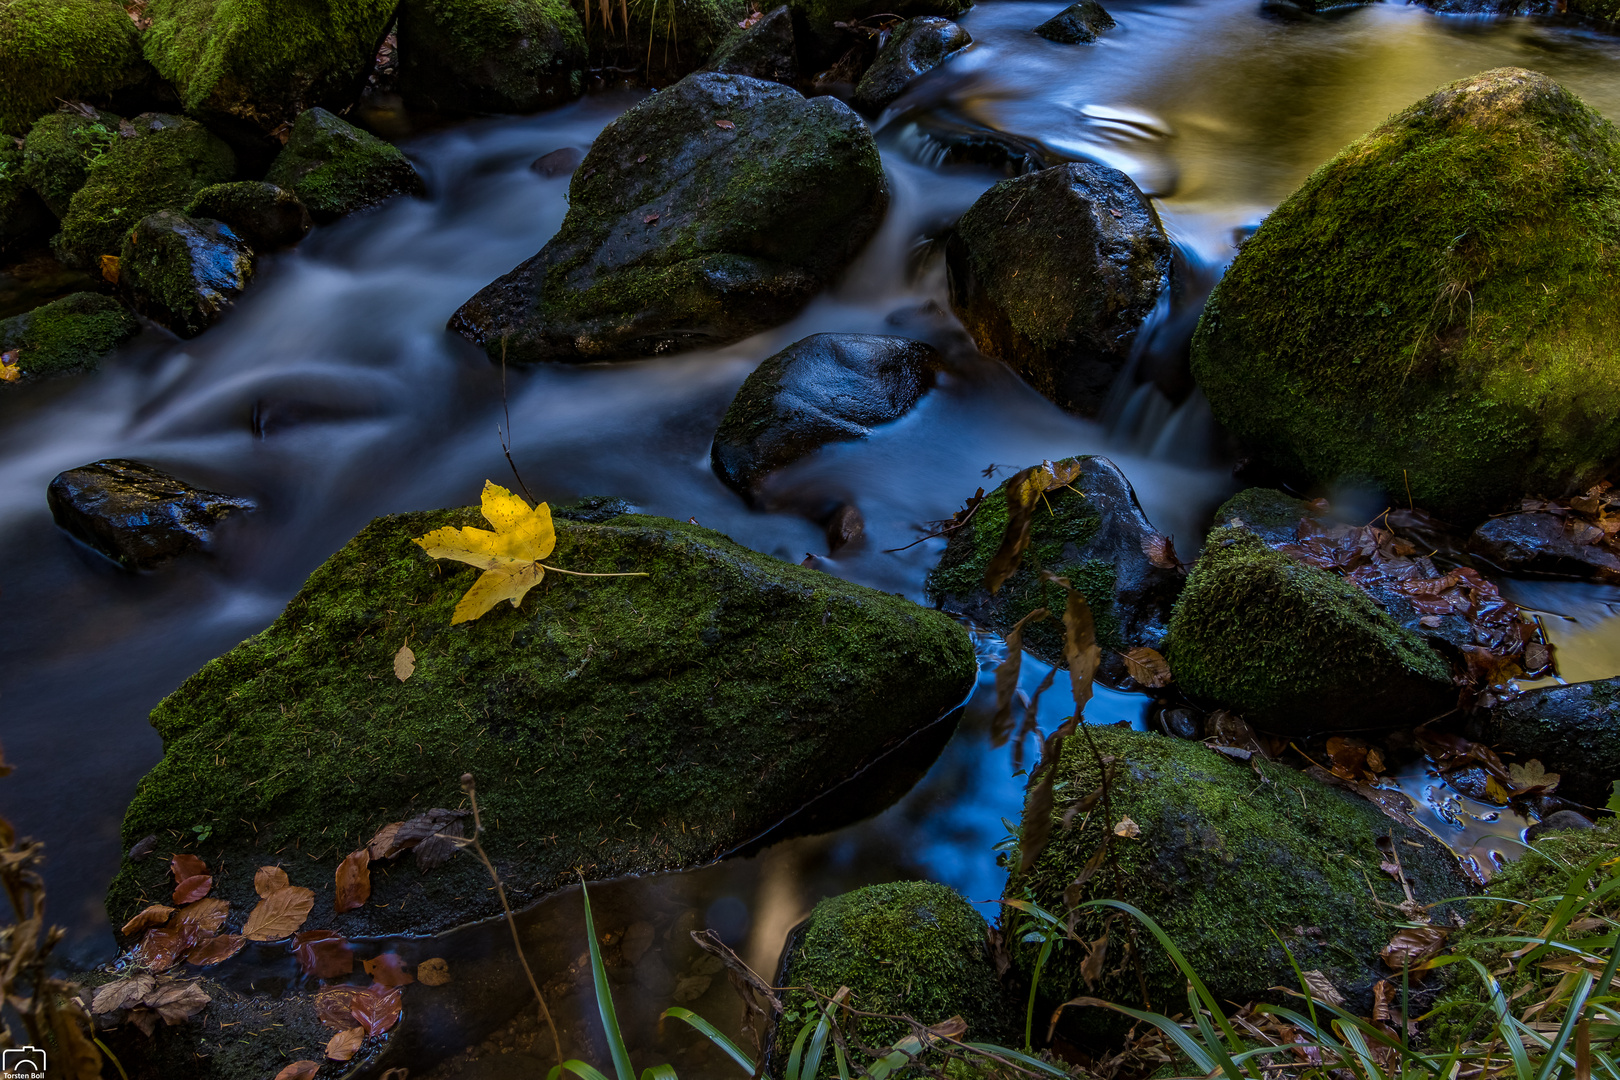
pixel 619 724
pixel 66 336
pixel 1077 24
pixel 1390 324
pixel 136 515
pixel 61 147
pixel 183 272
pixel 915 47
pixel 708 212
pixel 62 50
pixel 335 168
pixel 765 50
pixel 1055 272
pixel 490 55
pixel 266 216
pixel 1572 730
pixel 1540 543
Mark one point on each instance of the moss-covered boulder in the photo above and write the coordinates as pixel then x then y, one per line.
pixel 1227 854
pixel 1094 536
pixel 710 211
pixel 820 15
pixel 915 47
pixel 183 272
pixel 252 67
pixel 910 948
pixel 1572 730
pixel 677 36
pixel 1433 307
pixel 66 336
pixel 335 168
pixel 766 50
pixel 61 147
pixel 1054 273
pixel 23 216
pixel 490 55
pixel 619 724
pixel 160 166
pixel 266 216
pixel 1297 649
pixel 62 50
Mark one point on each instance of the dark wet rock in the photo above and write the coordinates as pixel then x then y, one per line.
pixel 1271 514
pixel 158 163
pixel 23 216
pixel 1093 536
pixel 1227 854
pixel 1364 376
pixel 822 15
pixel 1181 723
pixel 481 56
pixel 914 47
pixel 335 168
pixel 708 212
pixel 561 162
pixel 136 515
pixel 61 147
pixel 766 50
pixel 1054 273
pixel 1077 24
pixel 62 50
pixel 264 215
pixel 825 388
pixel 1297 649
pixel 1560 821
pixel 66 336
pixel 950 138
pixel 183 272
pixel 1540 543
pixel 907 948
pixel 845 527
pixel 623 724
pixel 1572 730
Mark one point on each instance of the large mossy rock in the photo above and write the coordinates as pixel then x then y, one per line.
pixel 252 67
pixel 490 55
pixel 67 336
pixel 620 724
pixel 61 147
pixel 335 168
pixel 916 47
pixel 183 272
pixel 266 216
pixel 712 210
pixel 1434 306
pixel 62 50
pixel 1093 536
pixel 1227 853
pixel 161 166
pixel 908 948
pixel 821 15
pixel 766 50
pixel 1297 649
pixel 1054 273
pixel 1572 730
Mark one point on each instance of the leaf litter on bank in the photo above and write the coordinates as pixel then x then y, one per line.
pixel 353 881
pixel 434 836
pixel 268 879
pixel 280 914
pixel 150 998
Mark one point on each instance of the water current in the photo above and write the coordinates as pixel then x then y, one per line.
pixel 332 393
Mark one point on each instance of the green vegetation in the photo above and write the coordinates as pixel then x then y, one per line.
pixel 492 55
pixel 62 50
pixel 335 168
pixel 67 336
pixel 22 215
pixel 60 149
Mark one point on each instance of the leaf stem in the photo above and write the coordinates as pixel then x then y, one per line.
pixel 581 573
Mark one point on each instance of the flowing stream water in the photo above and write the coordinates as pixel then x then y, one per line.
pixel 333 393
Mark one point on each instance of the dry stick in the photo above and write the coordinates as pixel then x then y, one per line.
pixel 471 789
pixel 505 446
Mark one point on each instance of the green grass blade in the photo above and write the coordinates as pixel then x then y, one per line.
pixel 1034 984
pixel 714 1035
pixel 1018 1056
pixel 796 1057
pixel 818 1045
pixel 1505 1023
pixel 659 1072
pixel 604 997
pixel 1184 1041
pixel 581 1069
pixel 1577 1008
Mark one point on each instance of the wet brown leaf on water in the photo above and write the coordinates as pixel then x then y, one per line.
pixel 353 881
pixel 1007 678
pixel 1413 947
pixel 160 949
pixel 387 970
pixel 1091 968
pixel 404 663
pixel 1322 988
pixel 345 1044
pixel 1127 828
pixel 335 1004
pixel 201 919
pixel 1495 790
pixel 1147 667
pixel 726 125
pixel 215 950
pixel 155 915
pixel 193 888
pixel 268 879
pixel 376 1008
pixel 300 1070
pixel 1160 551
pixel 432 972
pixel 279 914
pixel 323 954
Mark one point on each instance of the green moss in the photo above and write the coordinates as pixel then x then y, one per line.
pixel 910 948
pixel 1227 854
pixel 161 167
pixel 55 50
pixel 66 336
pixel 22 215
pixel 678 35
pixel 1602 11
pixel 335 168
pixel 1262 509
pixel 494 55
pixel 622 725
pixel 60 149
pixel 1436 305
pixel 263 62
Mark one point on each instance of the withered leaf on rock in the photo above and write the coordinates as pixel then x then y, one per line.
pixel 121 994
pixel 300 1070
pixel 1322 988
pixel 1147 667
pixel 345 1044
pixel 154 915
pixel 1160 551
pixel 353 881
pixel 184 866
pixel 267 879
pixel 193 888
pixel 1413 947
pixel 279 914
pixel 215 950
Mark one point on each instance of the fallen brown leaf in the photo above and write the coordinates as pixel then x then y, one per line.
pixel 335 1004
pixel 345 1044
pixel 176 1002
pixel 1147 667
pixel 323 954
pixel 121 994
pixel 279 914
pixel 1160 551
pixel 725 124
pixel 353 881
pixel 433 972
pixel 388 970
pixel 377 1008
pixel 1091 968
pixel 1322 988
pixel 160 949
pixel 186 866
pixel 268 879
pixel 404 663
pixel 155 915
pixel 193 888
pixel 1413 947
pixel 299 1070
pixel 1127 828
pixel 215 950
pixel 381 845
pixel 200 919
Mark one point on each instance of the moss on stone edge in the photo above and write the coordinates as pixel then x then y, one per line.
pixel 1227 853
pixel 821 14
pixel 264 62
pixel 1435 305
pixel 499 55
pixel 682 33
pixel 910 948
pixel 335 168
pixel 59 151
pixel 53 50
pixel 68 335
pixel 22 215
pixel 1072 521
pixel 616 724
pixel 168 161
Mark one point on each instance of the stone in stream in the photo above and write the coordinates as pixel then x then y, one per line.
pixel 1077 24
pixel 183 272
pixel 825 388
pixel 560 162
pixel 136 515
pixel 766 50
pixel 335 168
pixel 23 215
pixel 1539 543
pixel 1055 272
pixel 914 47
pixel 158 163
pixel 66 336
pixel 61 147
pixel 1469 362
pixel 479 56
pixel 62 50
pixel 266 216
pixel 1227 853
pixel 1094 536
pixel 1573 730
pixel 822 16
pixel 620 724
pixel 708 212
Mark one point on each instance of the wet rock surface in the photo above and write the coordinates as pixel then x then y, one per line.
pixel 1543 543
pixel 1572 730
pixel 335 168
pixel 265 216
pixel 766 50
pixel 137 515
pixel 472 56
pixel 826 388
pixel 1077 24
pixel 710 211
pixel 915 47
pixel 183 272
pixel 66 336
pixel 23 215
pixel 1054 273
pixel 560 162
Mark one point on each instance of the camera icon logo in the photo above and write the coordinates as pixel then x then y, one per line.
pixel 22 1063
